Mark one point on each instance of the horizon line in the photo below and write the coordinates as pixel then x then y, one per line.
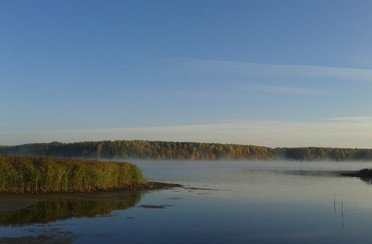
pixel 171 141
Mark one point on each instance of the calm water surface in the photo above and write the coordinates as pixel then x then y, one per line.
pixel 223 202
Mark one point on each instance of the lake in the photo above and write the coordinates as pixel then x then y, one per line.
pixel 222 202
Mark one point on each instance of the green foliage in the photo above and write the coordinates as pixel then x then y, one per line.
pixel 42 174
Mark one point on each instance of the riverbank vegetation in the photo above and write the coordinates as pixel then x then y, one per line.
pixel 182 151
pixel 42 174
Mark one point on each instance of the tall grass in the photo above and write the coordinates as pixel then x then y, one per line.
pixel 43 174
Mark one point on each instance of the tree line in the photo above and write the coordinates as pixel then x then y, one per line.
pixel 162 150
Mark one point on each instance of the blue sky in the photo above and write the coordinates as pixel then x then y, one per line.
pixel 275 73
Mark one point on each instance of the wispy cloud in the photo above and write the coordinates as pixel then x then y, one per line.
pixel 331 132
pixel 292 90
pixel 276 70
pixel 239 89
pixel 352 119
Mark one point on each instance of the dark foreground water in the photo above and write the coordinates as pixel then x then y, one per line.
pixel 224 202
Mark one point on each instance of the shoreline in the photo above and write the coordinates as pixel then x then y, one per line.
pixel 148 186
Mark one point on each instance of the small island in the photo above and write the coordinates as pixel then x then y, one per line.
pixel 57 175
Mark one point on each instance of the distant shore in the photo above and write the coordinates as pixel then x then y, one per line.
pixel 162 150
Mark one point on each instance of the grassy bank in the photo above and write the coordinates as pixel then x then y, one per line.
pixel 43 174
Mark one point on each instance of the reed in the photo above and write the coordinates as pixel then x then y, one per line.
pixel 44 174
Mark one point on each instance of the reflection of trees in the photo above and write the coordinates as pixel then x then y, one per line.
pixel 42 238
pixel 78 206
pixel 368 180
pixel 363 174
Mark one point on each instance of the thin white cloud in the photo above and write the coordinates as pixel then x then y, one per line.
pixel 293 90
pixel 238 89
pixel 352 119
pixel 328 133
pixel 276 70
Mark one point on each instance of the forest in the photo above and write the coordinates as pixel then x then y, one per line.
pixel 141 150
pixel 162 150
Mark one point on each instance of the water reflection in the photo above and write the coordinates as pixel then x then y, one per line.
pixel 56 239
pixel 360 174
pixel 363 174
pixel 367 178
pixel 52 208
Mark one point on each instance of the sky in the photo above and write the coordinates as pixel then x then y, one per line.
pixel 272 73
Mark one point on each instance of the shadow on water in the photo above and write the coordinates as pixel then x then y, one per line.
pixel 48 208
pixel 317 173
pixel 367 180
pixel 363 174
pixel 55 239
